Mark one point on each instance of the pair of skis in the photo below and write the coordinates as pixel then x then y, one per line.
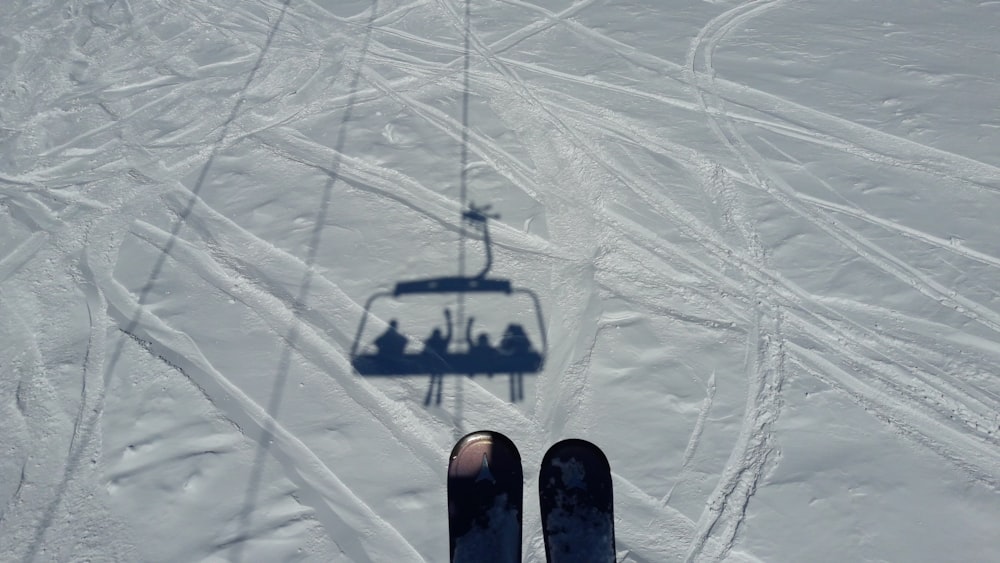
pixel 485 486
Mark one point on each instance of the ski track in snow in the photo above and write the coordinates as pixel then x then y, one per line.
pixel 775 186
pixel 598 245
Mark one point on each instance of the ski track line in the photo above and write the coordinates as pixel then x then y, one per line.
pixel 725 28
pixel 668 69
pixel 730 19
pixel 93 362
pixel 29 190
pixel 925 383
pixel 903 230
pixel 850 144
pixel 614 125
pixel 727 506
pixel 750 150
pixel 439 71
pixel 865 142
pixel 939 396
pixel 174 97
pixel 550 20
pixel 695 440
pixel 211 444
pixel 848 208
pixel 916 392
pixel 837 335
pixel 334 498
pixel 799 292
pixel 851 136
pixel 505 164
pixel 924 336
pixel 653 531
pixel 396 13
pixel 108 91
pixel 786 195
pixel 599 84
pixel 26 209
pixel 795 296
pixel 716 300
pixel 525 93
pixel 38 403
pixel 362 16
pixel 654 306
pixel 399 187
pixel 144 110
pixel 21 254
pixel 566 373
pixel 802 123
pixel 906 421
pixel 518 86
pixel 15 181
pixel 725 138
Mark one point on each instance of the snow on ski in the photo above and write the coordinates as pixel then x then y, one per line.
pixel 485 485
pixel 575 492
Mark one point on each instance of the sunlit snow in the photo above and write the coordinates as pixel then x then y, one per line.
pixel 763 236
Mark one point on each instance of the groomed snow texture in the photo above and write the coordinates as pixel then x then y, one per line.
pixel 764 238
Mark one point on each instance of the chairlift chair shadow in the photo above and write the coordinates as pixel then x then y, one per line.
pixel 514 354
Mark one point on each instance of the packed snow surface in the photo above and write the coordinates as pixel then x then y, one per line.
pixel 763 237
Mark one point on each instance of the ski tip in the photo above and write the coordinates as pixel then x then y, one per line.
pixel 491 437
pixel 483 452
pixel 485 490
pixel 576 447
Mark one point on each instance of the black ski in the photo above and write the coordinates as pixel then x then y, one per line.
pixel 577 505
pixel 485 486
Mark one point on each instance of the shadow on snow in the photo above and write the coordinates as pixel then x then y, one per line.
pixel 441 353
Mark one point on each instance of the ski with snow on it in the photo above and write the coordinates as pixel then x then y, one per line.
pixel 577 504
pixel 485 487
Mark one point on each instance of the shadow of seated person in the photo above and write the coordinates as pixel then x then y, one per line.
pixel 436 346
pixel 482 354
pixel 390 344
pixel 516 353
pixel 515 341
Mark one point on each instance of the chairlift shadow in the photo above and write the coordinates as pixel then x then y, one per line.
pixel 389 354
